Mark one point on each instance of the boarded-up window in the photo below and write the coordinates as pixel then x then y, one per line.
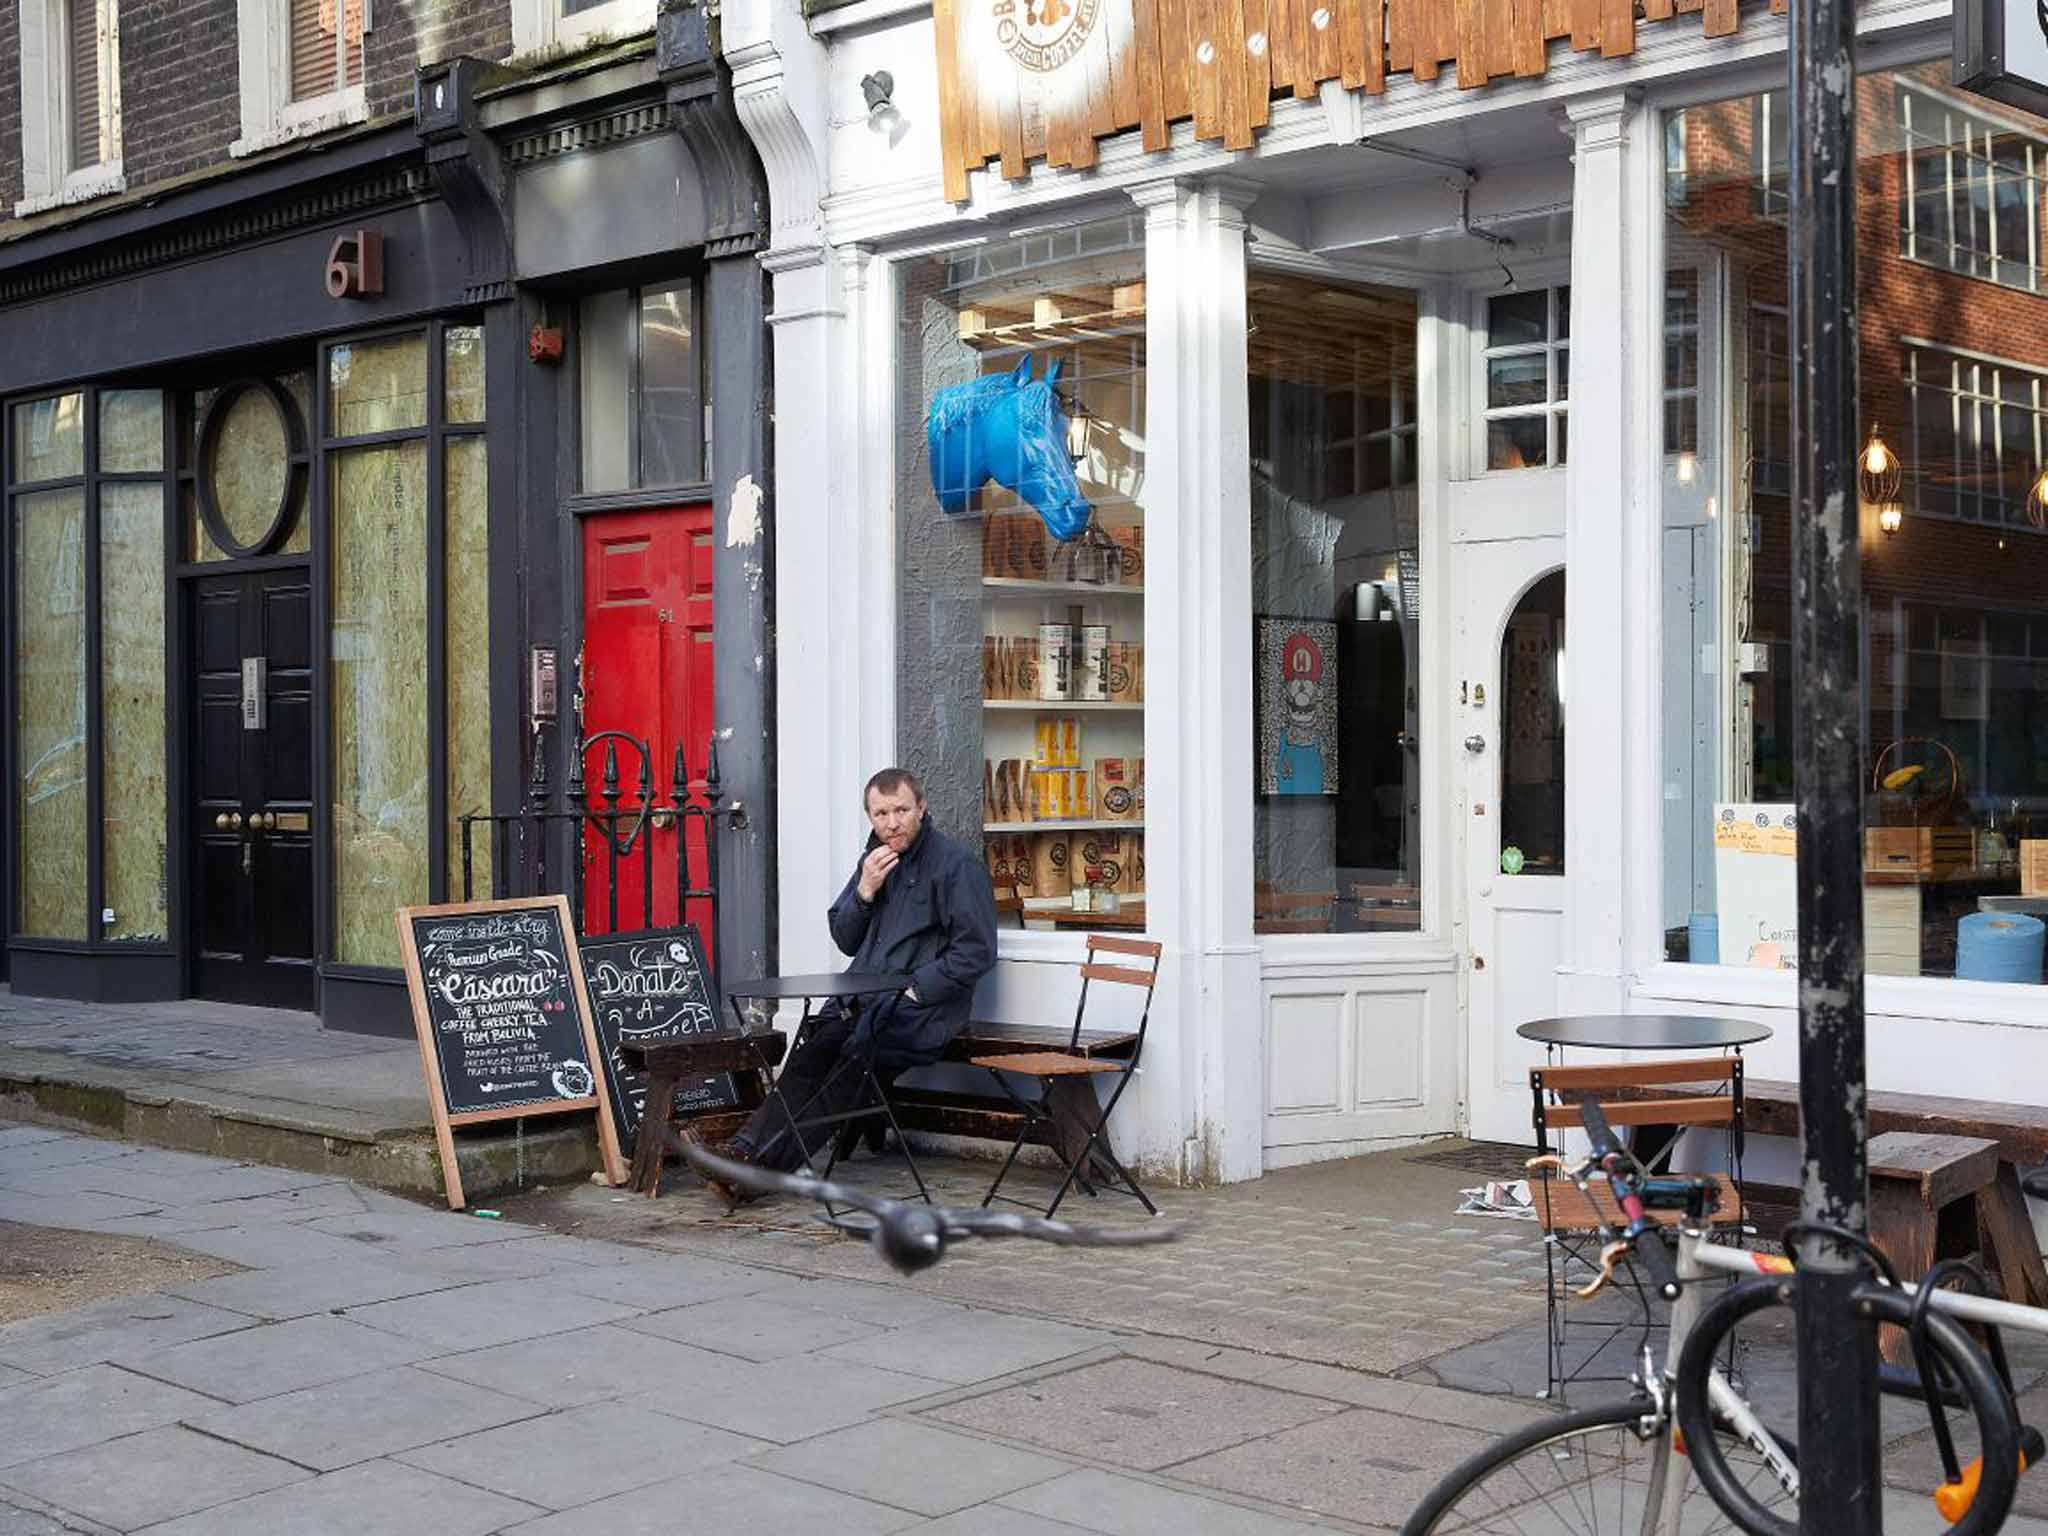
pixel 327 46
pixel 83 45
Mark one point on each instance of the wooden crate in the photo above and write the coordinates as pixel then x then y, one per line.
pixel 1917 850
pixel 1891 927
pixel 2034 866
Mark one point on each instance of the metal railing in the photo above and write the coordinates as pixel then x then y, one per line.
pixel 522 841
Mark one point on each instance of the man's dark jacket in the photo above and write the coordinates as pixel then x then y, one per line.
pixel 934 920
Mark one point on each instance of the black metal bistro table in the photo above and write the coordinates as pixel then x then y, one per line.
pixel 851 989
pixel 1644 1032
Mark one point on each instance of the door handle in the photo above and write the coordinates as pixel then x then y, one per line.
pixel 228 821
pixel 263 821
pixel 1475 744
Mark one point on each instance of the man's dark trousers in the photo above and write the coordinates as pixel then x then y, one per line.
pixel 767 1139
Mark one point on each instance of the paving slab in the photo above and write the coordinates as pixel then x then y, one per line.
pixel 1124 1506
pixel 122 1176
pixel 489 1313
pixel 912 1466
pixel 301 1290
pixel 25 1135
pixel 885 1305
pixel 379 1498
pixel 277 1358
pixel 566 1370
pixel 650 1284
pixel 80 1212
pixel 341 1423
pixel 275 1247
pixel 85 1407
pixel 753 1329
pixel 21 1515
pixel 971 1349
pixel 721 1501
pixel 1414 1399
pixel 786 1400
pixel 592 1453
pixel 996 1520
pixel 1133 1413
pixel 1360 1465
pixel 123 1326
pixel 395 1231
pixel 60 1152
pixel 157 1475
pixel 522 1258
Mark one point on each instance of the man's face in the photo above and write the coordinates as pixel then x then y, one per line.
pixel 895 815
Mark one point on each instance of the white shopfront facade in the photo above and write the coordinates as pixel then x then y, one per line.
pixel 1273 1046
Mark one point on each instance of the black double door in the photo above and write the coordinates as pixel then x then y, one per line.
pixel 252 771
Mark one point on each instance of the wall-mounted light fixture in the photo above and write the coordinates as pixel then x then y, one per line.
pixel 876 89
pixel 1878 476
pixel 2037 499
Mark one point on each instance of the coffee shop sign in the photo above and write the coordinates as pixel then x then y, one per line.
pixel 1042 35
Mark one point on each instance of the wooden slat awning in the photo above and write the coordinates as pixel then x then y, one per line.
pixel 1022 81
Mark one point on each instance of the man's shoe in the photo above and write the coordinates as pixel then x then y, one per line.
pixel 732 1194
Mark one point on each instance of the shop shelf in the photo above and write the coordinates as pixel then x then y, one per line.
pixel 1088 588
pixel 1096 825
pixel 1064 706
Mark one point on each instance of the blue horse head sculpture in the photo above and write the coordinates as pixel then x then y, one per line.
pixel 1012 429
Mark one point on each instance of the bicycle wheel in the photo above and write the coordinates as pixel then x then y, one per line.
pixel 1965 1363
pixel 1593 1472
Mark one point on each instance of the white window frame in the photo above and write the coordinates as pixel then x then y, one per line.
pixel 46 151
pixel 269 115
pixel 538 26
pixel 1554 408
pixel 1973 252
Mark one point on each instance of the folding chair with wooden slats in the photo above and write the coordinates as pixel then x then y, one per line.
pixel 1049 1067
pixel 1696 1092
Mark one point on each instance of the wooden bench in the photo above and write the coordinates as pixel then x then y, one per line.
pixel 1927 1197
pixel 989 1116
pixel 1771 1108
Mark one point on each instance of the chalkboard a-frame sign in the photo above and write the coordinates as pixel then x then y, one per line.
pixel 503 1017
pixel 645 987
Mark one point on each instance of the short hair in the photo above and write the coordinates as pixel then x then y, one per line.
pixel 889 780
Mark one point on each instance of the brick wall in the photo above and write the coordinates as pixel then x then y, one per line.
pixel 426 31
pixel 10 109
pixel 181 83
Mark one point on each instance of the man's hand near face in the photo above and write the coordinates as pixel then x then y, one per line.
pixel 874 869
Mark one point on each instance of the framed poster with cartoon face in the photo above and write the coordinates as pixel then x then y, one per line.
pixel 1295 662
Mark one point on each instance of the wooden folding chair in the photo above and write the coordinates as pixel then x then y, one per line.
pixel 1697 1091
pixel 1048 1067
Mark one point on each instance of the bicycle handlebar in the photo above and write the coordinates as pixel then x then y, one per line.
pixel 1644 1237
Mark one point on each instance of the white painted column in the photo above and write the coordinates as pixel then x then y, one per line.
pixel 1611 546
pixel 1210 1047
pixel 820 571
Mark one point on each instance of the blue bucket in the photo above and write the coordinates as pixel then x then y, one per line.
pixel 1703 939
pixel 2000 946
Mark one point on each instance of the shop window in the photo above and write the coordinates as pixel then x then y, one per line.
pixel 70 102
pixel 1973 190
pixel 301 68
pixel 1526 377
pixel 396 828
pixel 643 395
pixel 562 24
pixel 1021 528
pixel 1335 552
pixel 1955 587
pixel 87 507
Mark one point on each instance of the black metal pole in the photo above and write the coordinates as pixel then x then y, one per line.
pixel 1838 1402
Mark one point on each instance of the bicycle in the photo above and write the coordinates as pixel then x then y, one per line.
pixel 1627 1466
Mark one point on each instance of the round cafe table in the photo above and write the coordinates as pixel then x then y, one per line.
pixel 1644 1032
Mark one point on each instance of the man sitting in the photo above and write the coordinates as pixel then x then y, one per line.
pixel 919 904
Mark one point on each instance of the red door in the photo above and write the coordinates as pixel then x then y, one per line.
pixel 647 672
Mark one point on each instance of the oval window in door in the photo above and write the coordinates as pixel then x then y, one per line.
pixel 1532 700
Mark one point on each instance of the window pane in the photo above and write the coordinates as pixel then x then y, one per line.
pixel 1336 836
pixel 1954 580
pixel 250 466
pixel 134 869
pixel 463 373
pixel 469 659
pixel 671 388
pixel 1518 442
pixel 50 713
pixel 131 430
pixel 49 439
pixel 1022 605
pixel 605 353
pixel 1532 732
pixel 1518 319
pixel 377 386
pixel 379 683
pixel 1518 380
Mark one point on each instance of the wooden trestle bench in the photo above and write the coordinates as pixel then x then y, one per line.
pixel 1771 1108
